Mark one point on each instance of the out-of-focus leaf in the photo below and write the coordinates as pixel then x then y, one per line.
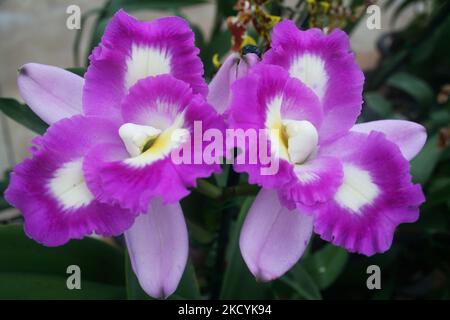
pixel 3 185
pixel 238 282
pixel 187 289
pixel 220 44
pixel 378 104
pixel 440 118
pixel 387 290
pixel 384 70
pixel 226 7
pixel 199 234
pixel 400 8
pixel 22 114
pixel 435 45
pixel 132 5
pixel 21 254
pixel 326 265
pixel 413 86
pixel 42 286
pixel 77 70
pixel 222 178
pixel 202 216
pixel 35 271
pixel 439 192
pixel 423 164
pixel 302 283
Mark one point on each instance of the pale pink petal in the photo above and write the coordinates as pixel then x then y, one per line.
pixel 273 238
pixel 51 92
pixel 158 246
pixel 408 136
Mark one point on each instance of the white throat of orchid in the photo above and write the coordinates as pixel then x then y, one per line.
pixel 357 189
pixel 68 186
pixel 293 140
pixel 145 61
pixel 310 69
pixel 147 144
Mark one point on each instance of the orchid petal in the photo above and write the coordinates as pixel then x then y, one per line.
pixel 326 65
pixel 133 50
pixel 316 180
pixel 158 247
pixel 409 136
pixel 376 194
pixel 231 70
pixel 261 102
pixel 168 104
pixel 50 189
pixel 273 238
pixel 51 92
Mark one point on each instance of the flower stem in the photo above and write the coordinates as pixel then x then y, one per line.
pixel 208 189
pixel 222 239
pixel 241 190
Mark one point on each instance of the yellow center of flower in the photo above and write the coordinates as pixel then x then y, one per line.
pixel 147 144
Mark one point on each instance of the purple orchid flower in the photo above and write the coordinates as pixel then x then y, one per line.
pixel 103 166
pixel 234 67
pixel 348 183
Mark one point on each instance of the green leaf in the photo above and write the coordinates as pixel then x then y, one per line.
pixel 198 233
pixel 40 272
pixel 439 192
pixel 413 86
pixel 22 114
pixel 238 282
pixel 77 70
pixel 3 185
pixel 326 265
pixel 422 166
pixel 42 286
pixel 187 289
pixel 302 283
pixel 378 104
pixel 220 44
pixel 400 8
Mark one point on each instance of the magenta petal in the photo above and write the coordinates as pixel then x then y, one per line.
pixel 408 136
pixel 326 65
pixel 132 50
pixel 273 238
pixel 317 180
pixel 50 190
pixel 51 92
pixel 113 175
pixel 232 69
pixel 257 96
pixel 376 195
pixel 158 247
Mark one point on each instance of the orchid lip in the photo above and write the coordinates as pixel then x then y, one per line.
pixel 147 144
pixel 138 138
pixel 302 138
pixel 297 140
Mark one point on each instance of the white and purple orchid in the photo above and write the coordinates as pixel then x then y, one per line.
pixel 104 166
pixel 348 183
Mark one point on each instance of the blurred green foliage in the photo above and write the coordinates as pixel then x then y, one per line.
pixel 409 82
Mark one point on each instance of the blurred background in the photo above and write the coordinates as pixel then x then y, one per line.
pixel 407 68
